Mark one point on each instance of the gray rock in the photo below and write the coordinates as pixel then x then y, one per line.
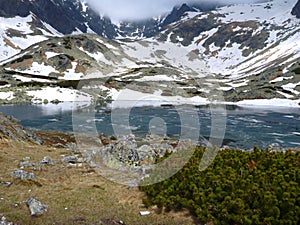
pixel 275 147
pixel 71 146
pixel 161 149
pixel 26 164
pixel 26 158
pixel 146 152
pixel 47 161
pixel 70 159
pixel 122 152
pixel 36 207
pixel 4 222
pixel 5 183
pixel 23 175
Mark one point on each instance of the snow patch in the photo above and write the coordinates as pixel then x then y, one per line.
pixel 60 94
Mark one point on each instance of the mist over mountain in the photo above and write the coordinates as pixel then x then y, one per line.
pixel 130 10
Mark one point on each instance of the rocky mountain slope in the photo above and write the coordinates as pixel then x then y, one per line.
pixel 23 23
pixel 296 10
pixel 238 52
pixel 11 129
pixel 66 16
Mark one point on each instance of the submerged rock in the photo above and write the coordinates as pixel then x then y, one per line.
pixel 36 207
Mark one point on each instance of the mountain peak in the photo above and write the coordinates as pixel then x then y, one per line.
pixel 177 13
pixel 296 10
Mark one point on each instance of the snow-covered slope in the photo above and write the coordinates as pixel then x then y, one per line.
pixel 90 56
pixel 242 39
pixel 18 33
pixel 239 52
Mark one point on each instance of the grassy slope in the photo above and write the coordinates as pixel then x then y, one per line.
pixel 74 195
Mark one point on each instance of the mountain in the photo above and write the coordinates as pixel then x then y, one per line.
pixel 238 39
pixel 296 10
pixel 238 52
pixel 65 16
pixel 23 23
pixel 78 16
pixel 88 60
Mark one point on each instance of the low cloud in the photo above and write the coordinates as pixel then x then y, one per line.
pixel 141 9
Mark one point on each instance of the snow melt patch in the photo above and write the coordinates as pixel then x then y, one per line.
pixel 60 94
pixel 158 78
pixel 290 87
pixel 278 102
pixel 128 98
pixel 7 95
pixel 70 74
pixel 277 79
pixel 25 39
pixel 111 47
pixel 275 11
pixel 38 69
pixel 51 54
pixel 28 79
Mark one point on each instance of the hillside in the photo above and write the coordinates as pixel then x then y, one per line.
pixel 71 191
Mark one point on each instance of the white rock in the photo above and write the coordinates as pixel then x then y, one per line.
pixel 144 213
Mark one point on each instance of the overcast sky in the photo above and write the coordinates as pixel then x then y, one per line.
pixel 141 9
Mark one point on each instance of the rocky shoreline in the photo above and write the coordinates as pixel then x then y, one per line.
pixel 111 158
pixel 119 153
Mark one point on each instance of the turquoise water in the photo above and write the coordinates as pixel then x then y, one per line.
pixel 243 127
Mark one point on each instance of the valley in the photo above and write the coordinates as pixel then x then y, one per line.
pixel 191 116
pixel 234 54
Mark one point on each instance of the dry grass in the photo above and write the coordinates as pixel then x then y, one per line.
pixel 75 195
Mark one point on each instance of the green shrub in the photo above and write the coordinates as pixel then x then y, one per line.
pixel 239 187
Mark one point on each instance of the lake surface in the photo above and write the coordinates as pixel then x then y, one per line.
pixel 236 126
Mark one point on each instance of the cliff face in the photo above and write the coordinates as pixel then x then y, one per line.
pixel 65 16
pixel 296 10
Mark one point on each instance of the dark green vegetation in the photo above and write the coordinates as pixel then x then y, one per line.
pixel 239 187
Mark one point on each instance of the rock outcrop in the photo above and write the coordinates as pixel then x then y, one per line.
pixel 11 129
pixel 296 10
pixel 36 207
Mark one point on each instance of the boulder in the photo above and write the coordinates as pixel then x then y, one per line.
pixel 70 159
pixel 146 152
pixel 47 161
pixel 23 175
pixel 27 164
pixel 6 183
pixel 36 207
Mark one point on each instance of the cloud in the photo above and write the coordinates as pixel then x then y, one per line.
pixel 141 9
